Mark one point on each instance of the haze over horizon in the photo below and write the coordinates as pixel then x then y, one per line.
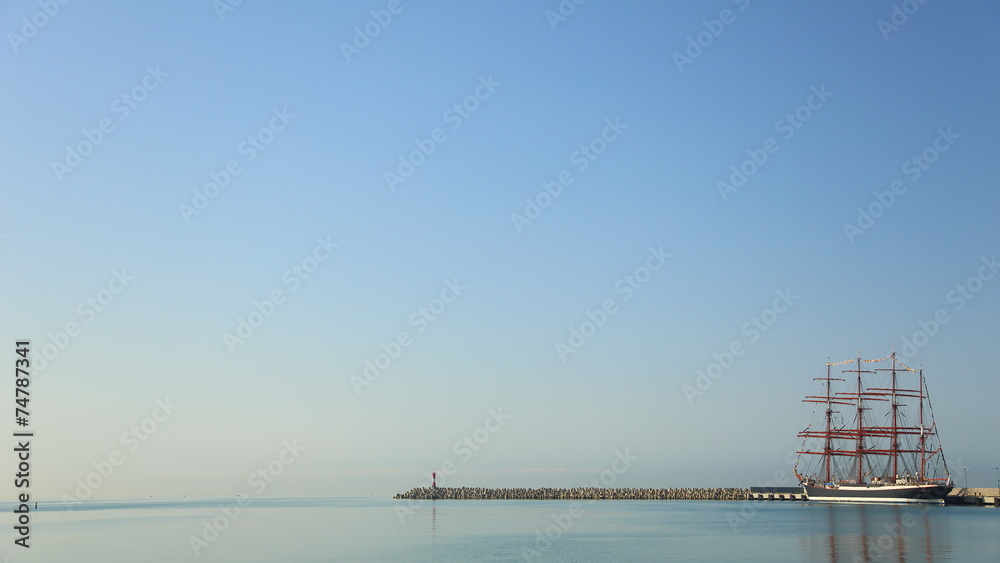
pixel 359 243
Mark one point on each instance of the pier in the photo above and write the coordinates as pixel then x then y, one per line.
pixel 776 493
pixel 973 496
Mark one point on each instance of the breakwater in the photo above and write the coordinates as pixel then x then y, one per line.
pixel 978 497
pixel 577 493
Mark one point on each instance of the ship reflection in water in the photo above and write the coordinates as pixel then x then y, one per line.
pixel 867 533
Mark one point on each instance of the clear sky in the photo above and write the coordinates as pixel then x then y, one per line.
pixel 790 181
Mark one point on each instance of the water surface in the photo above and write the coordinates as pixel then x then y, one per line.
pixel 365 529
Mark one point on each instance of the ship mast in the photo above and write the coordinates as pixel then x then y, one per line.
pixel 895 424
pixel 829 416
pixel 829 433
pixel 860 408
pixel 923 438
pixel 861 430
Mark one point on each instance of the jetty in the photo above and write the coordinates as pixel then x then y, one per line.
pixel 958 496
pixel 576 493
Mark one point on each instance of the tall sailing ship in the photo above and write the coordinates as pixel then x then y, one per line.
pixel 872 437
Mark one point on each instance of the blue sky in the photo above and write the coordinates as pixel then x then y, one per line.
pixel 330 127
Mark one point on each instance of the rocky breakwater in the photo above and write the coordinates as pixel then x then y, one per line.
pixel 578 493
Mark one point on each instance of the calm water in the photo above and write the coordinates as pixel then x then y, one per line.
pixel 388 530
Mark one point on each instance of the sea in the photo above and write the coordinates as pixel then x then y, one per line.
pixel 380 529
